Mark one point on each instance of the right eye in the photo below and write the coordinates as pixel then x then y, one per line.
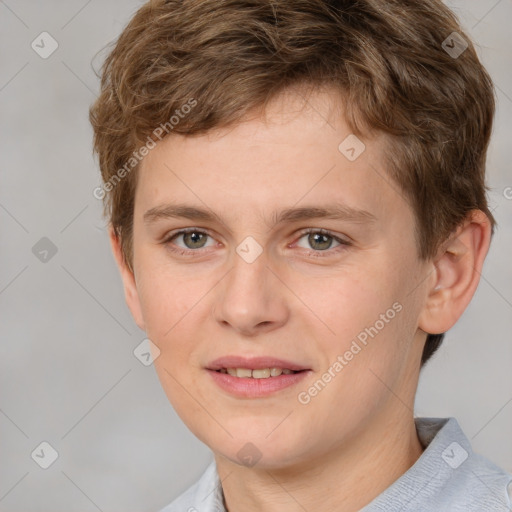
pixel 193 239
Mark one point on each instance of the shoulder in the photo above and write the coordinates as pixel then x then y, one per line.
pixel 462 479
pixel 205 495
pixel 478 485
pixel 448 476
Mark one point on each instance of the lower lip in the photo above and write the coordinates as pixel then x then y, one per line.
pixel 249 387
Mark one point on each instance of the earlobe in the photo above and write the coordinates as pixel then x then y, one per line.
pixel 130 288
pixel 457 269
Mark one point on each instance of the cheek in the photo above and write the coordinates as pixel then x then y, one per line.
pixel 340 304
pixel 174 307
pixel 366 315
pixel 167 298
pixel 169 306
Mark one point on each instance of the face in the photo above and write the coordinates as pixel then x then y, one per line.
pixel 237 265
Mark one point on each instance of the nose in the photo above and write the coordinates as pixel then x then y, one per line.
pixel 251 299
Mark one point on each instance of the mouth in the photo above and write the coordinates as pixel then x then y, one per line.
pixel 262 367
pixel 255 377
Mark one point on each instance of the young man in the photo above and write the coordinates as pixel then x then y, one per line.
pixel 297 206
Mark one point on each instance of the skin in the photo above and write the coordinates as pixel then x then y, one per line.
pixel 301 301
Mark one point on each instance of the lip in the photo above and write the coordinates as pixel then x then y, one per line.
pixel 244 387
pixel 253 363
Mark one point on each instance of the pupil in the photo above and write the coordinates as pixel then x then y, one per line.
pixel 195 237
pixel 313 240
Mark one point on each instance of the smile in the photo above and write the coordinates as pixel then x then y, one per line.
pixel 262 373
pixel 257 383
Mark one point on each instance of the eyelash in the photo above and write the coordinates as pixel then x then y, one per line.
pixel 316 254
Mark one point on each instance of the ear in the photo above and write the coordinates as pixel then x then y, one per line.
pixel 456 274
pixel 130 288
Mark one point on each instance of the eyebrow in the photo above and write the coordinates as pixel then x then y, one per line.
pixel 334 211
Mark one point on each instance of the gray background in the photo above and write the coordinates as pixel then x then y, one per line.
pixel 68 373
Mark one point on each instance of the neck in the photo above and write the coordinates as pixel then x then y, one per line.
pixel 346 478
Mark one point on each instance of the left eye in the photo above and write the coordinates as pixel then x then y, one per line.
pixel 321 240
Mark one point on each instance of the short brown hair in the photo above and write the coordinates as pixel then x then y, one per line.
pixel 385 57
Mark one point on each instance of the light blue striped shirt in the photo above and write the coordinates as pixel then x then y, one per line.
pixel 448 477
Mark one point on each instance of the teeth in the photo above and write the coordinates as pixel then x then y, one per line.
pixel 262 373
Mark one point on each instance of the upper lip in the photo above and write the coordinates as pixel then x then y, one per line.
pixel 253 363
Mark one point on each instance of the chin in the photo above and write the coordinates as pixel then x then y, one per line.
pixel 258 452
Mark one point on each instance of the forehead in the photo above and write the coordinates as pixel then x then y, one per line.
pixel 300 152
